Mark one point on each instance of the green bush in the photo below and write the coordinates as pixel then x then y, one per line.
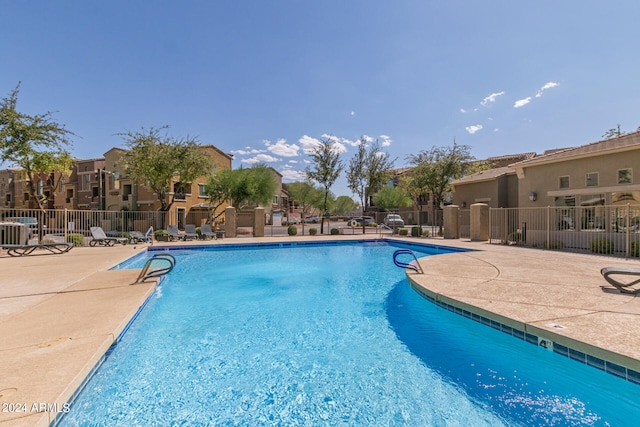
pixel 75 238
pixel 292 230
pixel 634 249
pixel 602 245
pixel 159 233
pixel 416 231
pixel 515 237
pixel 313 231
pixel 372 224
pixel 335 231
pixel 403 231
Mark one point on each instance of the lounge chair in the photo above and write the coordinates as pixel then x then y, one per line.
pixel 100 238
pixel 625 287
pixel 173 233
pixel 52 248
pixel 190 232
pixel 206 232
pixel 138 237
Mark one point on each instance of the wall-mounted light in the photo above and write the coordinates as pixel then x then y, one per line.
pixel 463 204
pixel 533 196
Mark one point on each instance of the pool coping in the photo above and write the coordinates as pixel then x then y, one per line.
pixel 569 311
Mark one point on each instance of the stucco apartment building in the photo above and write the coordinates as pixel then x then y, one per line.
pixel 605 172
pixel 104 184
pixel 121 192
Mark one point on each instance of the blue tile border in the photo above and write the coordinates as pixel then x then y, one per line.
pixel 104 357
pixel 559 349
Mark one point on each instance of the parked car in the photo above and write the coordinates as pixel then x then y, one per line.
pixel 312 220
pixel 393 220
pixel 358 221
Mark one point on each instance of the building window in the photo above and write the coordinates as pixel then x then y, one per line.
pixel 625 176
pixel 564 182
pixel 202 190
pixel 275 200
pixel 592 179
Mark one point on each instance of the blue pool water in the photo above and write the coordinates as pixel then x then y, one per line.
pixel 330 336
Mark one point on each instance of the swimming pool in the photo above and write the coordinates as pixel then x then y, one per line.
pixel 329 335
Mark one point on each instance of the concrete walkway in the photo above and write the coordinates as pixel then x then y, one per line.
pixel 59 314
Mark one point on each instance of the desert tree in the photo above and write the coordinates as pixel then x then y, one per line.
pixel 325 169
pixel 38 145
pixel 165 164
pixel 369 170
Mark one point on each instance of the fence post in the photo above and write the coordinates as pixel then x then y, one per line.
pixel 66 224
pixel 548 244
pixel 627 236
pixel 479 222
pixel 451 225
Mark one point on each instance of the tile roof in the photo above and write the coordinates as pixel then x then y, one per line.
pixel 628 141
pixel 485 175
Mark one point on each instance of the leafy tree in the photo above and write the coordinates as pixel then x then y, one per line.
pixel 369 169
pixel 158 160
pixel 434 169
pixel 241 187
pixel 391 198
pixel 36 144
pixel 307 196
pixel 326 169
pixel 344 205
pixel 613 132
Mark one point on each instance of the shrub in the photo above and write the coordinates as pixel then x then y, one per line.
pixel 416 231
pixel 313 231
pixel 515 237
pixel 634 249
pixel 159 233
pixel 292 230
pixel 602 245
pixel 403 231
pixel 372 224
pixel 425 233
pixel 76 238
pixel 335 231
pixel 47 241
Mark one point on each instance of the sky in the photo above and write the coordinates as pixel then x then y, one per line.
pixel 266 80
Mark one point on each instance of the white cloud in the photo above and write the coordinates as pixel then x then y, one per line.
pixel 293 162
pixel 293 175
pixel 247 151
pixel 386 140
pixel 473 129
pixel 281 148
pixel 308 143
pixel 462 110
pixel 353 113
pixel 546 86
pixel 260 158
pixel 522 102
pixel 491 98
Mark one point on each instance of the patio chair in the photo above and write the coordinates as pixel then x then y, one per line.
pixel 138 237
pixel 220 232
pixel 190 232
pixel 174 233
pixel 51 248
pixel 101 238
pixel 207 232
pixel 626 287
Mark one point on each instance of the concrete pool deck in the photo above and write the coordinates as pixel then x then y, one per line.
pixel 59 314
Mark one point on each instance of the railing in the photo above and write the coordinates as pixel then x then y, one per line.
pixel 56 224
pixel 613 230
pixel 412 265
pixel 160 270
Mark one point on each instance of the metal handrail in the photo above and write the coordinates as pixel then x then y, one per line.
pixel 415 266
pixel 159 271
